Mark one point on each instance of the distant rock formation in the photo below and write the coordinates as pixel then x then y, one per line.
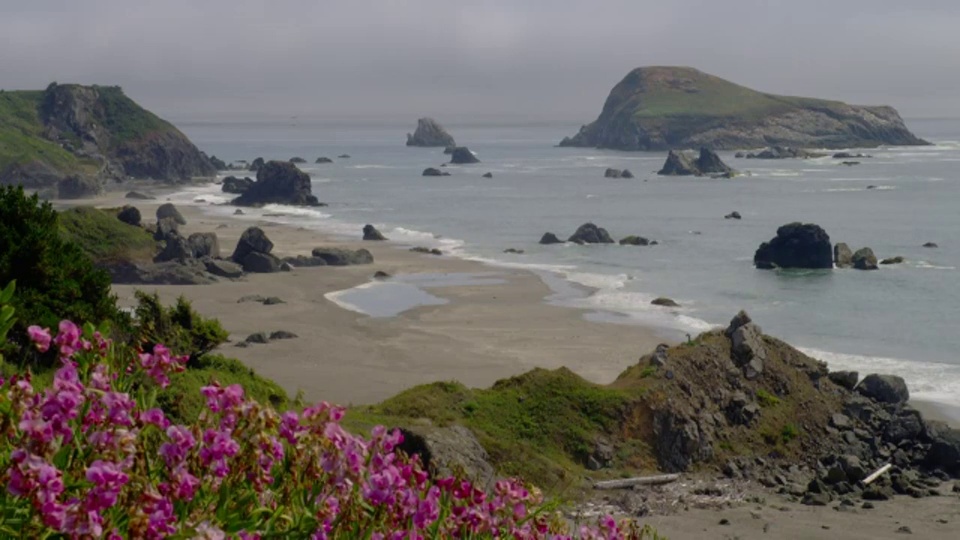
pixel 297 160
pixel 323 160
pixel 641 113
pixel 783 152
pixel 588 233
pixel 236 186
pixel 842 255
pixel 279 182
pixel 634 240
pixel 864 259
pixel 433 171
pixel 429 132
pixel 549 238
pixel 796 245
pixel 681 163
pixel 462 155
pixel 371 233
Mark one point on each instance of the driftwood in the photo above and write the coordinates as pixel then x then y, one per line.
pixel 637 481
pixel 876 474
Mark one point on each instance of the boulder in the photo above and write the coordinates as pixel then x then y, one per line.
pixel 166 227
pixel 260 263
pixel 634 240
pixel 297 160
pixel 279 182
pixel 380 274
pixel 130 215
pixel 733 215
pixel 446 451
pixel 175 248
pixel 343 257
pixel 217 163
pixel 884 388
pixel 666 302
pixel 430 133
pixel 944 452
pixel 930 245
pixel 842 255
pixel 139 196
pixel 304 261
pixel 257 337
pixel 257 164
pixel 710 163
pixel 204 245
pixel 679 163
pixel 612 173
pixel 796 245
pixel 907 425
pixel 223 268
pixel 893 260
pixel 282 334
pixel 426 250
pixel 371 233
pixel 462 155
pixel 749 352
pixel 168 210
pixel 515 251
pixel 846 379
pixel 550 238
pixel 344 156
pixel 433 171
pixel 323 160
pixel 864 259
pixel 164 273
pixel 588 233
pixel 626 174
pixel 488 175
pixel 253 240
pixel 236 186
pixel 738 320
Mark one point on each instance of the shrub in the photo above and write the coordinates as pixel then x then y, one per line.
pixel 180 327
pixel 54 277
pixel 91 456
pixel 766 399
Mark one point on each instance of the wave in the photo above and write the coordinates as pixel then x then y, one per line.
pixel 929 266
pixel 926 380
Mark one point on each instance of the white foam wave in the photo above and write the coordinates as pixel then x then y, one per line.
pixel 373 167
pixel 929 266
pixel 926 380
pixel 599 281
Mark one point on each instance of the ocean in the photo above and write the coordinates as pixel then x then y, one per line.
pixel 901 319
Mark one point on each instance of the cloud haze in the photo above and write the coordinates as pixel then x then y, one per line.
pixel 218 59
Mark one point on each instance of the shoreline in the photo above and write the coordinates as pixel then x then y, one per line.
pixel 483 333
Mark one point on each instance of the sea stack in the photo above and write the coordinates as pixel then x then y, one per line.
pixel 430 133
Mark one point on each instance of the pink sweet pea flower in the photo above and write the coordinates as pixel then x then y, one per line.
pixel 40 337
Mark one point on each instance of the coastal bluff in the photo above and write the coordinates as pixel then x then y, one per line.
pixel 666 107
pixel 69 140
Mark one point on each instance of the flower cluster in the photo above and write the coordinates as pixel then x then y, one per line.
pixel 85 459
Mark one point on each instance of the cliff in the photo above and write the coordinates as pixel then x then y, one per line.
pixel 662 108
pixel 80 137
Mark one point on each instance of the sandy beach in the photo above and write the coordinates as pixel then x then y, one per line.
pixel 483 333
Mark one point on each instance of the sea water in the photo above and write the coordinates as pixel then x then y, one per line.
pixel 902 318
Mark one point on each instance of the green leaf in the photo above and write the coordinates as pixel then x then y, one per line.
pixel 7 294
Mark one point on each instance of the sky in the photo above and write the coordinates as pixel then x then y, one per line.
pixel 550 60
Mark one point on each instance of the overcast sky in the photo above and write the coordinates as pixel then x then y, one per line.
pixel 550 59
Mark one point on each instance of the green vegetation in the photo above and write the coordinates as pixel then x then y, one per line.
pixel 788 433
pixel 124 119
pixel 55 279
pixel 766 399
pixel 540 425
pixel 179 328
pixel 103 237
pixel 21 134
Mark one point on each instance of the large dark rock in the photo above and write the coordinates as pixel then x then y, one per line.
pixel 236 186
pixel 944 452
pixel 217 163
pixel 462 155
pixel 429 132
pixel 130 215
pixel 323 160
pixel 371 233
pixel 550 238
pixel 710 163
pixel 166 227
pixel 139 196
pixel 749 352
pixel 168 210
pixel 864 259
pixel 279 182
pixel 257 164
pixel 884 388
pixel 343 257
pixel 679 442
pixel 297 160
pixel 846 379
pixel 305 261
pixel 204 245
pixel 842 255
pixel 260 263
pixel 223 268
pixel 680 163
pixel 448 451
pixel 626 173
pixel 634 240
pixel 175 249
pixel 253 240
pixel 164 273
pixel 588 233
pixel 433 171
pixel 796 245
pixel 612 173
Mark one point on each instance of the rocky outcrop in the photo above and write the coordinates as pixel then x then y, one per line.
pixel 429 133
pixel 321 160
pixel 371 233
pixel 446 451
pixel 279 182
pixel 664 302
pixel 588 233
pixel 783 152
pixel 612 173
pixel 343 257
pixel 893 260
pixel 488 175
pixel 223 268
pixel 930 245
pixel 796 245
pixel 139 196
pixel 130 215
pixel 884 388
pixel 680 163
pixel 257 164
pixel 733 215
pixel 634 240
pixel 204 244
pixel 550 238
pixel 462 156
pixel 163 273
pixel 864 259
pixel 253 252
pixel 640 114
pixel 433 171
pixel 168 210
pixel 236 186
pixel 297 160
pixel 842 255
pixel 78 187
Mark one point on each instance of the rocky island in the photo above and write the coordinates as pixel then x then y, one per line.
pixel 664 107
pixel 430 133
pixel 69 140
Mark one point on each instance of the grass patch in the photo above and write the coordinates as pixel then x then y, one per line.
pixel 766 399
pixel 21 134
pixel 124 119
pixel 540 425
pixel 105 238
